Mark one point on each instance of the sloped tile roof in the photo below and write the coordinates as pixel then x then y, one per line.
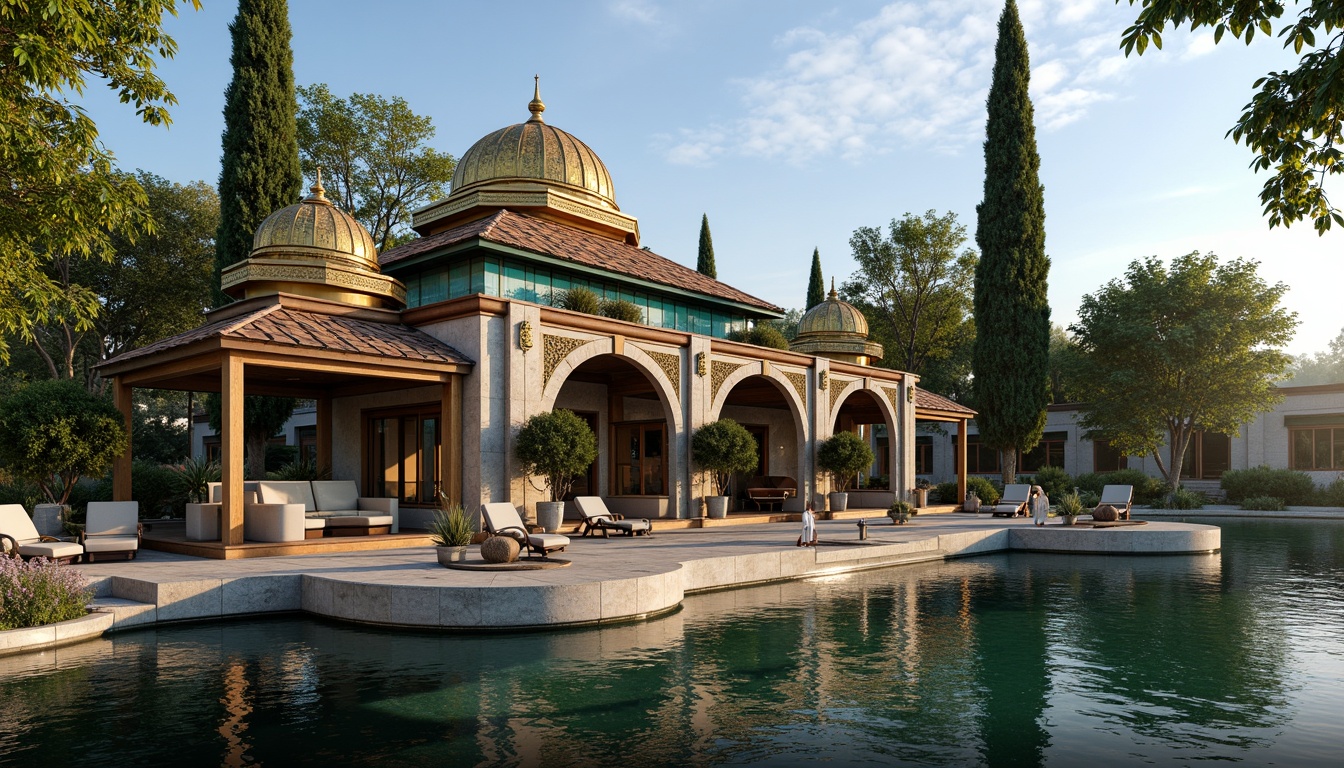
pixel 933 402
pixel 540 236
pixel 289 327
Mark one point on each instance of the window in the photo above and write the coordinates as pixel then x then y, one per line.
pixel 1316 448
pixel 1207 457
pixel 403 455
pixel 1047 453
pixel 306 437
pixel 640 456
pixel 1107 459
pixel 923 455
pixel 980 458
pixel 585 484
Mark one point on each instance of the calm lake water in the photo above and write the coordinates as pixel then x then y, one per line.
pixel 1006 660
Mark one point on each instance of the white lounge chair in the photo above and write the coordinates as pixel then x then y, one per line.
pixel 502 519
pixel 1119 496
pixel 111 529
pixel 596 517
pixel 19 537
pixel 1013 502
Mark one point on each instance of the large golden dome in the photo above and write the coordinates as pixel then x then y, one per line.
pixel 838 330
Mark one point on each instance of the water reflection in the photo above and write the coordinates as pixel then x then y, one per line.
pixel 1009 660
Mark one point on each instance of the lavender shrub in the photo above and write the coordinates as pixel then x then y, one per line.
pixel 40 592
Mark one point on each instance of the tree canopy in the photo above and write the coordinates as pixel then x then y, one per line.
pixel 1012 312
pixel 372 150
pixel 54 432
pixel 559 446
pixel 60 194
pixel 1321 368
pixel 1294 122
pixel 1170 350
pixel 816 282
pixel 263 418
pixel 704 262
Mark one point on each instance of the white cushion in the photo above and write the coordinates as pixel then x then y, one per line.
pixel 358 521
pixel 547 540
pixel 14 521
pixel 313 523
pixel 335 494
pixel 120 518
pixel 1117 494
pixel 110 543
pixel 51 549
pixel 1016 493
pixel 286 492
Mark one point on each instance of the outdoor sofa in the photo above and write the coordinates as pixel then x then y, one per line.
pixel 596 517
pixel 19 538
pixel 111 529
pixel 502 519
pixel 290 510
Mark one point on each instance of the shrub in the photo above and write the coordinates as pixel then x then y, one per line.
pixel 620 309
pixel 300 469
pixel 1054 481
pixel 40 592
pixel 1264 504
pixel 762 335
pixel 157 488
pixel 900 511
pixel 723 447
pixel 1186 499
pixel 945 493
pixel 20 492
pixel 54 432
pixel 556 445
pixel 194 477
pixel 844 455
pixel 579 299
pixel 1089 498
pixel 877 483
pixel 988 492
pixel 1332 495
pixel 1290 486
pixel 278 456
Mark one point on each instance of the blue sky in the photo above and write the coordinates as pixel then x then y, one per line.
pixel 791 123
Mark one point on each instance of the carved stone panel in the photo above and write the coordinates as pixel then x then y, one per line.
pixel 671 365
pixel 799 382
pixel 837 388
pixel 555 350
pixel 719 371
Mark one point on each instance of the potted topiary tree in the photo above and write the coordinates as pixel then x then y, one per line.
pixel 451 530
pixel 557 446
pixel 54 432
pixel 721 448
pixel 844 455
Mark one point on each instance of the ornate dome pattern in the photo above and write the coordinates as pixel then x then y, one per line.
pixel 315 226
pixel 833 316
pixel 838 330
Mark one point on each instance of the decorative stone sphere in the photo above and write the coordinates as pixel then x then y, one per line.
pixel 499 549
pixel 1105 514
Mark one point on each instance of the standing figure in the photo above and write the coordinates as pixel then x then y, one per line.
pixel 809 537
pixel 1040 505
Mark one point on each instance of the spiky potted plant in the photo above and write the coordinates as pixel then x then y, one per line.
pixel 452 531
pixel 1069 507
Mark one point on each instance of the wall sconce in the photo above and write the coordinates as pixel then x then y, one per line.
pixel 910 394
pixel 823 380
pixel 525 335
pixel 701 364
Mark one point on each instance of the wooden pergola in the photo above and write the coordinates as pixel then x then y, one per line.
pixel 285 345
pixel 931 407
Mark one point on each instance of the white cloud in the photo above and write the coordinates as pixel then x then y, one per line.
pixel 1200 44
pixel 639 11
pixel 915 74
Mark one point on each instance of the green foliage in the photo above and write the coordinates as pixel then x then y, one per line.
pixel 1321 368
pixel 1331 495
pixel 1264 503
pixel 157 488
pixel 54 432
pixel 1012 313
pixel 844 455
pixel 1170 350
pixel 985 489
pixel 159 426
pixel 1183 498
pixel 945 493
pixel 1063 366
pixel 1295 120
pixel 762 335
pixel 704 262
pixel 39 592
pixel 373 157
pixel 900 511
pixel 451 526
pixel 1089 499
pixel 723 447
pixel 1054 481
pixel 816 282
pixel 787 325
pixel 60 195
pixel 194 476
pixel 580 299
pixel 918 280
pixel 1291 486
pixel 1069 504
pixel 263 418
pixel 557 445
pixel 299 469
pixel 259 170
pixel 26 493
pixel 620 309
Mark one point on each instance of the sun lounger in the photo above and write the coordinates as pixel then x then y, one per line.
pixel 596 517
pixel 111 529
pixel 502 519
pixel 19 538
pixel 1119 496
pixel 1013 502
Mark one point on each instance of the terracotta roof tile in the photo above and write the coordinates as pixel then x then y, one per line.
pixel 545 237
pixel 927 399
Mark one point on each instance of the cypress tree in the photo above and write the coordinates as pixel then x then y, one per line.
pixel 705 263
pixel 1012 316
pixel 816 285
pixel 260 166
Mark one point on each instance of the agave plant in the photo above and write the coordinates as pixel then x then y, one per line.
pixel 451 527
pixel 195 475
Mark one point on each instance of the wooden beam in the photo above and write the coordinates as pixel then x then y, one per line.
pixel 961 461
pixel 450 436
pixel 123 395
pixel 324 431
pixel 231 448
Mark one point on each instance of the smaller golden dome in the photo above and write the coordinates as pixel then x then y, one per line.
pixel 313 225
pixel 838 330
pixel 833 316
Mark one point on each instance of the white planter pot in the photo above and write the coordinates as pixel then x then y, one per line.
pixel 47 519
pixel 549 515
pixel 839 501
pixel 451 554
pixel 716 507
pixel 921 497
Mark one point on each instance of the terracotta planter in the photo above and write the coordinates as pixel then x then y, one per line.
pixel 716 507
pixel 451 554
pixel 549 515
pixel 839 501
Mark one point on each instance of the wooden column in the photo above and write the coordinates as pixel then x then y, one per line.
pixel 122 395
pixel 231 447
pixel 450 438
pixel 324 432
pixel 961 461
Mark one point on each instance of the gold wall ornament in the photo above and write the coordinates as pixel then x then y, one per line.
pixel 671 365
pixel 701 364
pixel 823 380
pixel 525 335
pixel 893 397
pixel 838 390
pixel 719 373
pixel 799 381
pixel 910 394
pixel 554 351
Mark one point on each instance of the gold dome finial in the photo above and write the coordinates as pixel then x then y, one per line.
pixel 319 195
pixel 535 106
pixel 833 293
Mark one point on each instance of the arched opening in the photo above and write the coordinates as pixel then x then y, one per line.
pixel 635 427
pixel 762 405
pixel 863 413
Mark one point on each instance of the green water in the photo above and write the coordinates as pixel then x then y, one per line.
pixel 1004 660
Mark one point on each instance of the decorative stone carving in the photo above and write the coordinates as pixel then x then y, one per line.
pixel 799 382
pixel 671 365
pixel 701 364
pixel 500 549
pixel 525 335
pixel 838 390
pixel 719 371
pixel 823 380
pixel 555 350
pixel 893 397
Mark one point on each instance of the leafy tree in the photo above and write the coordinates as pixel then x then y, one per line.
pixel 816 282
pixel 159 426
pixel 372 151
pixel 844 455
pixel 55 432
pixel 1012 313
pixel 60 195
pixel 1321 368
pixel 1295 121
pixel 918 280
pixel 1063 362
pixel 263 418
pixel 704 263
pixel 722 448
pixel 1168 351
pixel 259 171
pixel 559 446
pixel 762 335
pixel 787 325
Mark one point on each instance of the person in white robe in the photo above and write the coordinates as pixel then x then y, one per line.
pixel 1040 505
pixel 809 537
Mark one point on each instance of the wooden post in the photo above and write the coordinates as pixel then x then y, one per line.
pixel 231 447
pixel 961 461
pixel 450 438
pixel 122 396
pixel 324 432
